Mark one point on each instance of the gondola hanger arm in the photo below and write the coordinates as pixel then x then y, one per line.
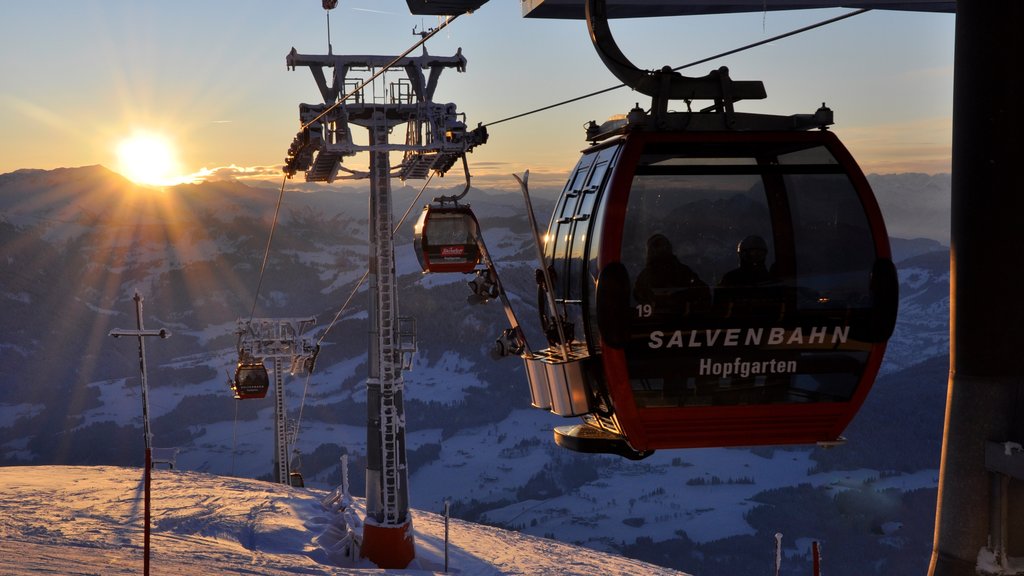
pixel 665 84
pixel 454 199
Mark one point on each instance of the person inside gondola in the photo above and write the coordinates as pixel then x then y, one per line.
pixel 750 292
pixel 672 288
pixel 751 295
pixel 671 292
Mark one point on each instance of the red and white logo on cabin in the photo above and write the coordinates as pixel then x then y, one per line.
pixel 453 251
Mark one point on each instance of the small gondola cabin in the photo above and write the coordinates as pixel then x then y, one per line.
pixel 444 239
pixel 251 380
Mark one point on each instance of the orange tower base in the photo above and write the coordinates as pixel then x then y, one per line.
pixel 388 546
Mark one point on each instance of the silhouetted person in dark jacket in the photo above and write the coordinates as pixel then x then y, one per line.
pixel 750 291
pixel 667 284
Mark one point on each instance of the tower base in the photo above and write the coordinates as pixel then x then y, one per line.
pixel 388 546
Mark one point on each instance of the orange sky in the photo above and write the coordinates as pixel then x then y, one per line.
pixel 211 79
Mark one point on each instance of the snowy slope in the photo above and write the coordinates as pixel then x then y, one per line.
pixel 88 520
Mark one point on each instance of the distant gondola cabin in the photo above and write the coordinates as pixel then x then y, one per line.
pixel 251 380
pixel 444 238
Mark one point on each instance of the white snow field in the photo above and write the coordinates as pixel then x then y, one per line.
pixel 78 520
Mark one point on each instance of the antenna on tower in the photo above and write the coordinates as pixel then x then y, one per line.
pixel 423 33
pixel 328 6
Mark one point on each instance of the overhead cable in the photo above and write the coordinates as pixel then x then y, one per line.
pixel 266 253
pixel 694 63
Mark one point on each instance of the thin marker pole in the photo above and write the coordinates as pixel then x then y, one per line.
pixel 141 332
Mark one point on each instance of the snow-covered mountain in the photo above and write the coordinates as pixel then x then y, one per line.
pixel 89 520
pixel 914 205
pixel 76 243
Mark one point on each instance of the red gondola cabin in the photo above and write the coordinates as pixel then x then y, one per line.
pixel 444 238
pixel 251 380
pixel 722 288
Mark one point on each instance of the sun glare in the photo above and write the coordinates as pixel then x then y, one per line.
pixel 147 158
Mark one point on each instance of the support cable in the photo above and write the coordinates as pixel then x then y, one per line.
pixel 266 253
pixel 444 24
pixel 694 63
pixel 337 316
pixel 367 274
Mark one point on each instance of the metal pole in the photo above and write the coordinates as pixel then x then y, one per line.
pixel 984 391
pixel 447 516
pixel 148 475
pixel 149 437
pixel 344 479
pixel 816 557
pixel 778 553
pixel 387 533
pixel 141 333
pixel 281 470
pixel 374 460
pixel 142 368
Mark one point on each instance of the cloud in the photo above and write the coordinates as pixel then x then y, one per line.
pixel 234 172
pixel 503 180
pixel 497 174
pixel 484 175
pixel 924 146
pixel 373 11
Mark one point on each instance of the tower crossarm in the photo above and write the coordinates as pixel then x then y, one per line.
pixel 276 337
pixel 413 65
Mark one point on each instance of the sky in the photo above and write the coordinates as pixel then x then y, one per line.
pixel 208 81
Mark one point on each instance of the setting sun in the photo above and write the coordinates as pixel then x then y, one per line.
pixel 148 158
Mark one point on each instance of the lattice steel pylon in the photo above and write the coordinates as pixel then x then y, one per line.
pixel 435 139
pixel 280 340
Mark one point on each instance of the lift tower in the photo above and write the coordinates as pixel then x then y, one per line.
pixel 281 340
pixel 435 138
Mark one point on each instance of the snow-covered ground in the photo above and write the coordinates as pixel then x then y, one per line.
pixel 89 520
pixel 705 493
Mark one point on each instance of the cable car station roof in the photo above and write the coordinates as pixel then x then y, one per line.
pixel 648 8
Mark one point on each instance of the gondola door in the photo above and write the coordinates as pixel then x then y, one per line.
pixel 567 247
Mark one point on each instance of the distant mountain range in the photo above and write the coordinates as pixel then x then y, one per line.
pixel 914 205
pixel 76 243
